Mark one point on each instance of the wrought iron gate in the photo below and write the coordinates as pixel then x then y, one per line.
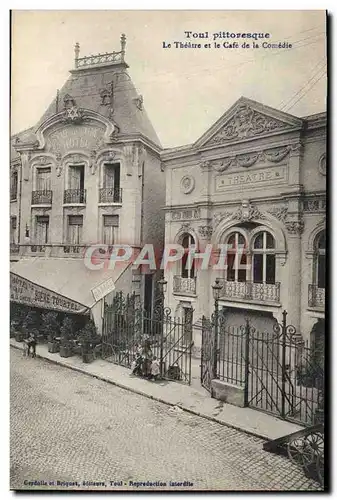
pixel 127 326
pixel 279 372
pixel 207 354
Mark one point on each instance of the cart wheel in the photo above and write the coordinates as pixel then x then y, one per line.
pixel 300 452
pixel 316 442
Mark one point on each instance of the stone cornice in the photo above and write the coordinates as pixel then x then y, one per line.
pixel 223 152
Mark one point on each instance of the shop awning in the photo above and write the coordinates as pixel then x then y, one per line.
pixel 61 284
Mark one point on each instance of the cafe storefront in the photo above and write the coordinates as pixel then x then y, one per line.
pixel 64 286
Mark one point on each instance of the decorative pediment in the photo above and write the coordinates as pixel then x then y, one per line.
pixel 245 120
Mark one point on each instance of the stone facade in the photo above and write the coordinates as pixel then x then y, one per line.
pixel 256 170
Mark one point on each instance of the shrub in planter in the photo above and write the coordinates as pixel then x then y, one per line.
pixel 50 328
pixel 67 341
pixel 19 336
pixel 88 338
pixel 14 327
pixel 30 324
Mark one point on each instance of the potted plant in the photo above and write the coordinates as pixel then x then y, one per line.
pixel 14 327
pixel 51 329
pixel 29 326
pixel 87 339
pixel 66 342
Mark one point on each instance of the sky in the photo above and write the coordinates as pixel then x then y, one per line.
pixel 185 90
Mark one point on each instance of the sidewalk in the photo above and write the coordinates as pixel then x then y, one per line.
pixel 193 399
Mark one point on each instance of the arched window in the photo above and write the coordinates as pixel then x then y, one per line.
pixel 236 257
pixel 187 242
pixel 264 258
pixel 320 260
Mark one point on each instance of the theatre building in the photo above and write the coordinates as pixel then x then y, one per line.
pixel 88 172
pixel 254 181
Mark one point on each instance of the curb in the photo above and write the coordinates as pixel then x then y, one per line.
pixel 154 398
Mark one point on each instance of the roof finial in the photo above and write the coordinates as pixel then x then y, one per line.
pixel 123 43
pixel 77 53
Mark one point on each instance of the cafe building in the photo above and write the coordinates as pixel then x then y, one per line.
pixel 255 181
pixel 87 173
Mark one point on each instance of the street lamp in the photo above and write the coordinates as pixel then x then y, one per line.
pixel 162 284
pixel 216 294
pixel 216 289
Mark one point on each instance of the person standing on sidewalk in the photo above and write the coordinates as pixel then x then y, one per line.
pixel 32 344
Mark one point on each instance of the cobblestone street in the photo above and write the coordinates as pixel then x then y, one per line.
pixel 66 426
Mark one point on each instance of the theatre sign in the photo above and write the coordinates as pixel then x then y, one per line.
pixel 26 292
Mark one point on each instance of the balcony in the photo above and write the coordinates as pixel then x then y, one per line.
pixel 110 195
pixel 75 196
pixel 74 249
pixel 184 286
pixel 316 297
pixel 249 291
pixel 42 197
pixel 37 248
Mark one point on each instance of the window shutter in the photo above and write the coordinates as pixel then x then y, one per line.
pixel 75 220
pixel 42 219
pixel 111 220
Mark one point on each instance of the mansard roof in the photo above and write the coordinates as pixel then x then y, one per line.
pixel 101 84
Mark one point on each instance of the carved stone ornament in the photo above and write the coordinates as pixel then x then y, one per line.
pixel 219 216
pixel 247 123
pixel 187 184
pixel 59 167
pixel 73 115
pixel 247 160
pixel 41 160
pixel 75 158
pixel 186 214
pixel 277 154
pixel 205 164
pixel 139 102
pixel 247 212
pixel 114 136
pixel 69 101
pixel 322 164
pixel 106 96
pixel 221 165
pixel 314 204
pixel 295 227
pixel 93 161
pixel 205 232
pixel 185 227
pixel 274 155
pixel 281 213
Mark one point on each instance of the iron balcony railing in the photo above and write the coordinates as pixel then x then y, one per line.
pixel 42 197
pixel 75 196
pixel 74 249
pixel 316 297
pixel 248 290
pixel 14 248
pixel 110 195
pixel 184 286
pixel 38 248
